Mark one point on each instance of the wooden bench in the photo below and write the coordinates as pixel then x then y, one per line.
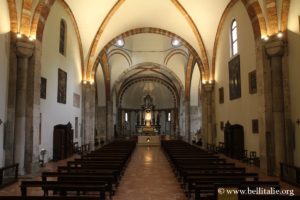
pixel 64 187
pixel 47 198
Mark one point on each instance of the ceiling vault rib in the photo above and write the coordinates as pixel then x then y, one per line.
pixel 204 58
pixel 92 51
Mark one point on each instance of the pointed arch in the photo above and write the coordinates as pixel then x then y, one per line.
pixel 12 7
pixel 258 23
pixel 92 51
pixel 197 34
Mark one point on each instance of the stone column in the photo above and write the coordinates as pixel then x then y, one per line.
pixel 187 120
pixel 109 122
pixel 208 113
pixel 24 52
pixel 277 135
pixel 88 112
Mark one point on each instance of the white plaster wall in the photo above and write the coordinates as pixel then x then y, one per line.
pixel 54 113
pixel 118 64
pixel 177 64
pixel 242 110
pixel 100 86
pixel 294 71
pixel 4 65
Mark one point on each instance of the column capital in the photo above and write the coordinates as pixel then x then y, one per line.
pixel 275 48
pixel 208 87
pixel 24 49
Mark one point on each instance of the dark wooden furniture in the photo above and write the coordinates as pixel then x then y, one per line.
pixel 234 140
pixel 8 175
pixel 62 141
pixel 290 174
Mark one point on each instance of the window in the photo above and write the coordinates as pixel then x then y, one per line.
pixel 234 38
pixel 62 37
pixel 126 117
pixel 169 116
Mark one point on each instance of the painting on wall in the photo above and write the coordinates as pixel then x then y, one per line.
pixel 43 92
pixel 255 126
pixel 221 95
pixel 234 78
pixel 222 125
pixel 252 82
pixel 76 100
pixel 62 87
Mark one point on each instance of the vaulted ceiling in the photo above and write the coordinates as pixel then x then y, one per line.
pixel 198 22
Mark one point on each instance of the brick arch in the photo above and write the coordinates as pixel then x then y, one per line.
pixel 201 45
pixel 285 14
pixel 258 25
pixel 25 17
pixel 92 51
pixel 159 31
pixel 256 16
pixel 39 19
pixel 40 16
pixel 272 17
pixel 12 8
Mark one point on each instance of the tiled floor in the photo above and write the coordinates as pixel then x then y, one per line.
pixel 149 177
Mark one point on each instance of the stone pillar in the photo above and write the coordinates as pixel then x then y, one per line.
pixel 277 137
pixel 187 120
pixel 88 114
pixel 22 134
pixel 109 122
pixel 208 114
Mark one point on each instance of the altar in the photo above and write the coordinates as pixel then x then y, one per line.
pixel 152 140
pixel 148 122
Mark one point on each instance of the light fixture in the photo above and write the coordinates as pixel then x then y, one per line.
pixel 120 42
pixel 265 38
pixel 175 42
pixel 19 35
pixel 280 34
pixel 84 81
pixel 211 81
pixel 31 38
pixel 91 82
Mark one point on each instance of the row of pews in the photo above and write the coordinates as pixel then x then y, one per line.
pixel 204 175
pixel 95 175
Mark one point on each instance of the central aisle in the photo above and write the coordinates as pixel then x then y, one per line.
pixel 149 177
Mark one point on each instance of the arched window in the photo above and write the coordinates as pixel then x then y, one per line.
pixel 62 37
pixel 234 38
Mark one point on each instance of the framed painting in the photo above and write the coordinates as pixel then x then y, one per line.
pixel 62 87
pixel 252 82
pixel 221 95
pixel 43 92
pixel 234 78
pixel 255 126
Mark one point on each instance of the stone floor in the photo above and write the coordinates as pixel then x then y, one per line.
pixel 147 177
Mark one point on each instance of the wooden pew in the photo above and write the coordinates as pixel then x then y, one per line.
pixel 66 186
pixel 47 198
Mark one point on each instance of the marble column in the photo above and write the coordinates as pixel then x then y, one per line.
pixel 88 112
pixel 208 126
pixel 24 52
pixel 277 133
